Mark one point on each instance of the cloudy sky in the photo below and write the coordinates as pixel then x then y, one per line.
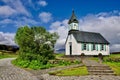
pixel 101 16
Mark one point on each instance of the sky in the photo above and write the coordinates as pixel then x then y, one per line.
pixel 101 16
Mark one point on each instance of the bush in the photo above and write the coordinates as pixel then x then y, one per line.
pixel 32 61
pixel 76 62
pixel 21 63
pixel 36 47
pixel 34 64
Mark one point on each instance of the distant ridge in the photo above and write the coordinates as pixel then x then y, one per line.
pixel 13 48
pixel 60 50
pixel 115 53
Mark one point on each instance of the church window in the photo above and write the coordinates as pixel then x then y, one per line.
pixel 102 47
pixel 84 46
pixel 93 46
pixel 75 25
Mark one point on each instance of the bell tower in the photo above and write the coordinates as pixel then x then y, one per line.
pixel 73 22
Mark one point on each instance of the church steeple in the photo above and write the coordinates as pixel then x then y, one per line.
pixel 73 18
pixel 73 22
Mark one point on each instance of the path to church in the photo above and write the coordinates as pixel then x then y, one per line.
pixel 9 72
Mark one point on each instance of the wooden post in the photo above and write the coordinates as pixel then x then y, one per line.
pixel 100 58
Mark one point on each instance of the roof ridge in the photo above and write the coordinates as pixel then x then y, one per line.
pixel 83 31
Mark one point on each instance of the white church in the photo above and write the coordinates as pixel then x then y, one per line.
pixel 86 43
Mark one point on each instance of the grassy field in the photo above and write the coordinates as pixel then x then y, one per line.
pixel 7 55
pixel 59 56
pixel 114 62
pixel 115 66
pixel 115 55
pixel 79 71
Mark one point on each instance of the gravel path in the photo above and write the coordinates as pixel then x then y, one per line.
pixel 89 77
pixel 88 62
pixel 10 72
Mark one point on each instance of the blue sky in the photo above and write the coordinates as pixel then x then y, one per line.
pixel 101 16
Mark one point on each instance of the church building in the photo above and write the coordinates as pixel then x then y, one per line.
pixel 84 43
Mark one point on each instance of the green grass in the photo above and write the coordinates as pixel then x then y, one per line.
pixel 115 55
pixel 8 55
pixel 79 71
pixel 95 58
pixel 113 61
pixel 115 66
pixel 59 55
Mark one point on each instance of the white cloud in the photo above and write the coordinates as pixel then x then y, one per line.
pixel 6 11
pixel 61 28
pixel 6 21
pixel 42 3
pixel 19 22
pixel 108 24
pixel 45 17
pixel 16 6
pixel 7 38
pixel 25 21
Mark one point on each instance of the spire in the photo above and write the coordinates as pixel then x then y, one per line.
pixel 73 18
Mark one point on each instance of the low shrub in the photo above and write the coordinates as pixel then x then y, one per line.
pixel 39 62
pixel 21 63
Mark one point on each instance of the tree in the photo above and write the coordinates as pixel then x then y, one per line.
pixel 35 42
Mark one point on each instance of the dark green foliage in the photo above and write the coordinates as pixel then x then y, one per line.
pixel 36 47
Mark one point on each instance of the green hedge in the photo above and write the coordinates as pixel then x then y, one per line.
pixel 40 64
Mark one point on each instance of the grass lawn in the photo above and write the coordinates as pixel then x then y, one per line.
pixel 79 71
pixel 7 55
pixel 113 62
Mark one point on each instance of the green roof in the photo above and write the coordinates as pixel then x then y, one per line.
pixel 73 18
pixel 88 37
